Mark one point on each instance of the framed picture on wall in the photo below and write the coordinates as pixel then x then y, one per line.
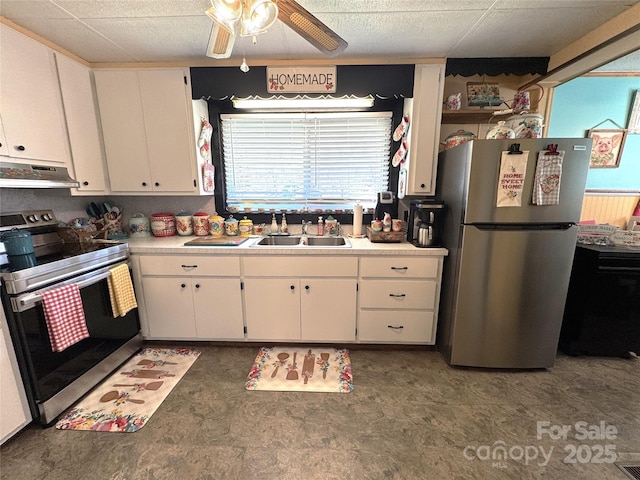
pixel 607 147
pixel 634 118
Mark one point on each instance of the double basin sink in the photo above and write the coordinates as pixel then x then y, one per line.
pixel 303 241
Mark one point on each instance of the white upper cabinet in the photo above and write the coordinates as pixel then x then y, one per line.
pixel 82 123
pixel 425 110
pixel 148 129
pixel 30 102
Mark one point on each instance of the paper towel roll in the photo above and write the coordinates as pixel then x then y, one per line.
pixel 357 220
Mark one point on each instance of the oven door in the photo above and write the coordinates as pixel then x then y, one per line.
pixel 55 380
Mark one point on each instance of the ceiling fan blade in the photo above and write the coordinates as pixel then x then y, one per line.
pixel 310 28
pixel 220 42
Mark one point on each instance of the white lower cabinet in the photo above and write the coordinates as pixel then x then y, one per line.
pixel 299 298
pixel 191 297
pixel 398 299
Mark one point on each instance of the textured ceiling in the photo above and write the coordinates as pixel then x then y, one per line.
pixel 102 31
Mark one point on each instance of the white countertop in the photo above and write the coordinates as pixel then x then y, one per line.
pixel 359 246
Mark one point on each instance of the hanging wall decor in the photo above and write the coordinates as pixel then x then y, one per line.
pixel 607 147
pixel 634 118
pixel 482 94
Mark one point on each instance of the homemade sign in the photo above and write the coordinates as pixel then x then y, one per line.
pixel 317 79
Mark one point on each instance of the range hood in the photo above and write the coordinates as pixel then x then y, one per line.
pixel 19 175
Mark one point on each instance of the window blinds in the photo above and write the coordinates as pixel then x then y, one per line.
pixel 295 160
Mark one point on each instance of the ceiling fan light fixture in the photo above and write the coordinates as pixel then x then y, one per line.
pixel 258 16
pixel 220 42
pixel 225 12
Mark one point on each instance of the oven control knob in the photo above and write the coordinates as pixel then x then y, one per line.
pixel 45 217
pixel 32 218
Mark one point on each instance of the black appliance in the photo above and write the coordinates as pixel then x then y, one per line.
pixel 424 227
pixel 602 312
pixel 387 202
pixel 56 380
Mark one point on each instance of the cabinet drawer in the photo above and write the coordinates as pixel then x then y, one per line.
pixel 300 266
pixel 399 327
pixel 396 294
pixel 399 267
pixel 190 265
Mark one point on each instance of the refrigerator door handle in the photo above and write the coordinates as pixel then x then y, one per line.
pixel 522 226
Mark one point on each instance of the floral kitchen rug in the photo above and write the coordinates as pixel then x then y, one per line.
pixel 125 401
pixel 299 369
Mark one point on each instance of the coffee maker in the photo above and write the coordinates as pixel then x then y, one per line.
pixel 424 228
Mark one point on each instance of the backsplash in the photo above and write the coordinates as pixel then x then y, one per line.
pixel 65 207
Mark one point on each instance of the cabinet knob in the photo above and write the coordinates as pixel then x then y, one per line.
pixel 292 287
pixel 20 148
pixel 157 184
pixel 85 183
pixel 197 285
pixel 422 185
pixel 144 184
pixel 306 287
pixel 182 285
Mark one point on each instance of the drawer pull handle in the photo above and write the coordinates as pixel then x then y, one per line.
pixel 397 295
pixel 393 327
pixel 189 266
pixel 399 268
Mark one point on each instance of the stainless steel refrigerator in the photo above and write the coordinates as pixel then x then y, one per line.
pixel 506 276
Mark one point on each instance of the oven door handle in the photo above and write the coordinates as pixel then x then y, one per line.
pixel 29 300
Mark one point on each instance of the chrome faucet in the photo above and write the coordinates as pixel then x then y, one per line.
pixel 305 227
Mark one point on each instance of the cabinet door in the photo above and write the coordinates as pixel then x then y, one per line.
pixel 425 129
pixel 4 149
pixel 31 106
pixel 328 309
pixel 272 308
pixel 169 307
pixel 218 309
pixel 168 127
pixel 123 128
pixel 82 122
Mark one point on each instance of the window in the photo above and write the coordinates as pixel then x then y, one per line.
pixel 305 161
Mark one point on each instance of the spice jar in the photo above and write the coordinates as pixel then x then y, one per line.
pixel 201 224
pixel 245 227
pixel 231 226
pixel 216 225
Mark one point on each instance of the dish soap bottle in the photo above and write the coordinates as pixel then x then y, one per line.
pixel 320 227
pixel 284 228
pixel 274 224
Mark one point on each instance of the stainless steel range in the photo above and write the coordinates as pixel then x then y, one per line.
pixel 55 380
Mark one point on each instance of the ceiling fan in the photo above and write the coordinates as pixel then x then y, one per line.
pixel 252 17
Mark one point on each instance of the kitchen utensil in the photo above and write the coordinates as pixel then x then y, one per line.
pixel 325 359
pixel 281 357
pixel 114 394
pixel 148 374
pixel 151 362
pixel 142 386
pixel 293 373
pixel 308 366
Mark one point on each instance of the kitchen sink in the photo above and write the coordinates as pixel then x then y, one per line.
pixel 299 241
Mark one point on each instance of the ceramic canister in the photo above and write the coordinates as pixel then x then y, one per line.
pixel 231 226
pixel 201 224
pixel 216 225
pixel 139 226
pixel 245 227
pixel 184 223
pixel 163 224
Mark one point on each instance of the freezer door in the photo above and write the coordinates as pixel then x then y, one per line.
pixel 509 301
pixel 484 176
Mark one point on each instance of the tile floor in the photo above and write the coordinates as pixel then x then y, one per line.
pixel 411 416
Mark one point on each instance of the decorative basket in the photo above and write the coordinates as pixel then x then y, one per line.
pixel 385 237
pixel 81 235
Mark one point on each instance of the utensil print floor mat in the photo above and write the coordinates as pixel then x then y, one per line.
pixel 125 401
pixel 301 369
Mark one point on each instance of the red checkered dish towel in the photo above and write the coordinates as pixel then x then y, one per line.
pixel 64 316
